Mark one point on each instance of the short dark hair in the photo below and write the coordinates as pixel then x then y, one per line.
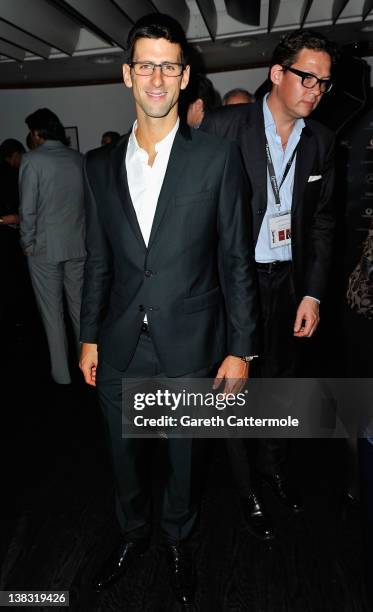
pixel 114 136
pixel 157 25
pixel 47 124
pixel 29 141
pixel 10 146
pixel 200 87
pixel 292 43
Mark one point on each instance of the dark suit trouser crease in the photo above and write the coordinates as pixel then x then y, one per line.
pixel 278 306
pixel 278 359
pixel 131 462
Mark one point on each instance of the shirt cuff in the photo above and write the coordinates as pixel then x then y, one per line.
pixel 312 298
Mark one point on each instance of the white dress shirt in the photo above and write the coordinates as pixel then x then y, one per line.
pixel 144 181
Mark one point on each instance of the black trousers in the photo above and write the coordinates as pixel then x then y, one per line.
pixel 278 306
pixel 279 358
pixel 132 464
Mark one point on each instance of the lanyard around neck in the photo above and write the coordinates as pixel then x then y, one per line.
pixel 272 175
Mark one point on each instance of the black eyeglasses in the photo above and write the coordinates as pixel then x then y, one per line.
pixel 169 69
pixel 310 80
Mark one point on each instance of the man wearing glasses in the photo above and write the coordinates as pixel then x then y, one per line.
pixel 165 206
pixel 289 161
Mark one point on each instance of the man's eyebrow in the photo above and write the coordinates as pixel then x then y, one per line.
pixel 324 78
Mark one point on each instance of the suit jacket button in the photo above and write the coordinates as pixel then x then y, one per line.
pixel 148 273
pixel 141 308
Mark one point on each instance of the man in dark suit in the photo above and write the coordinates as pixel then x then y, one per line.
pixel 166 213
pixel 289 161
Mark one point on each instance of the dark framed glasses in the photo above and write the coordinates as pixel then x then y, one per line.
pixel 169 69
pixel 310 80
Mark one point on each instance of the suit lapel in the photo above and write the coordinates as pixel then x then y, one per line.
pixel 304 163
pixel 175 168
pixel 253 151
pixel 252 142
pixel 118 156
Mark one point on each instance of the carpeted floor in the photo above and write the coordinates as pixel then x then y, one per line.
pixel 58 523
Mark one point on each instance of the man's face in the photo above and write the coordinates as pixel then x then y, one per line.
pixel 155 95
pixel 295 99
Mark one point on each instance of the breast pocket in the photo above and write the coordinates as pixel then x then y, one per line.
pixel 313 187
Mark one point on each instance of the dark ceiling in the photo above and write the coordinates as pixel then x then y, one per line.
pixel 47 43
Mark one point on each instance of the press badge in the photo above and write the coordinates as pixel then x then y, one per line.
pixel 279 230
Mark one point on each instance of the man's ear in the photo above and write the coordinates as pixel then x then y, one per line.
pixel 127 75
pixel 199 105
pixel 36 137
pixel 185 77
pixel 276 74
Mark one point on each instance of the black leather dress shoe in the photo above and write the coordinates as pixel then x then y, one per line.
pixel 182 573
pixel 118 563
pixel 257 522
pixel 285 491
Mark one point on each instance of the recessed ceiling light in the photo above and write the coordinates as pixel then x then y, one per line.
pixel 238 43
pixel 367 28
pixel 103 59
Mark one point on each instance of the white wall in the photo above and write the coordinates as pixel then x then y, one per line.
pixel 97 108
pixel 93 109
pixel 247 79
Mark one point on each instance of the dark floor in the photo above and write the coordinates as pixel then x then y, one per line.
pixel 57 517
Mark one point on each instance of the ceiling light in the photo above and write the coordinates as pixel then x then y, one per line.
pixel 103 59
pixel 238 43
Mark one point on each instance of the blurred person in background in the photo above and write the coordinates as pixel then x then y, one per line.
pixel 109 138
pixel 12 269
pixel 198 100
pixel 11 152
pixel 52 224
pixel 238 96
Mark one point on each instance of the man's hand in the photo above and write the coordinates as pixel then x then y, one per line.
pixel 10 219
pixel 307 318
pixel 235 372
pixel 88 362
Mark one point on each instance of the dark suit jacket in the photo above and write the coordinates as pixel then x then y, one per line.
pixel 199 234
pixel 312 211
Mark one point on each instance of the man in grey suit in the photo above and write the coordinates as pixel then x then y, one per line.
pixel 52 224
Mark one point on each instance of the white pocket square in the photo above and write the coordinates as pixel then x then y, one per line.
pixel 314 177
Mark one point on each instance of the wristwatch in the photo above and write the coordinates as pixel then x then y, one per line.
pixel 247 358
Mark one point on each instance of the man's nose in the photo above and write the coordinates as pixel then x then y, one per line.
pixel 157 75
pixel 316 89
